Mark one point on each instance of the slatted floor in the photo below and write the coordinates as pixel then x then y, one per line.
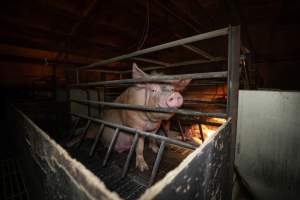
pixel 136 182
pixel 12 185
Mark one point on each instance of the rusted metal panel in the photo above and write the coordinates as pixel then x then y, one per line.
pixel 65 178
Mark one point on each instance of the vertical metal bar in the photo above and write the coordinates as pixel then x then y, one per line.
pixel 74 128
pixel 84 133
pixel 23 181
pixel 201 132
pixel 77 76
pixel 16 178
pixel 98 136
pixel 232 89
pixel 101 94
pixel 181 130
pixel 131 151
pixel 111 146
pixel 157 162
pixel 88 97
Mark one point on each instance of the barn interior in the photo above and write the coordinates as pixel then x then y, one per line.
pixel 43 43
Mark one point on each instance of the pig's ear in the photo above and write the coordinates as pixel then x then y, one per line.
pixel 181 84
pixel 137 72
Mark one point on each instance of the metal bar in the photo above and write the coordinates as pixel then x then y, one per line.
pixel 16 178
pixel 162 110
pixel 201 132
pixel 151 61
pixel 157 162
pixel 159 78
pixel 84 133
pixel 98 136
pixel 4 186
pixel 77 76
pixel 130 154
pixel 203 36
pixel 23 181
pixel 180 64
pixel 111 146
pixel 143 133
pixel 233 87
pixel 181 130
pixel 74 128
pixel 199 51
pixel 88 98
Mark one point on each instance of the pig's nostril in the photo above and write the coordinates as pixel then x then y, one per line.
pixel 171 99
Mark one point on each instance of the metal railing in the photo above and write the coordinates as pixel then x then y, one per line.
pixel 232 85
pixel 137 133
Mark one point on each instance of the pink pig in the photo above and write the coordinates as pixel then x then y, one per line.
pixel 147 94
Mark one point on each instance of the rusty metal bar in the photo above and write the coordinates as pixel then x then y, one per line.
pixel 130 154
pixel 203 36
pixel 98 136
pixel 84 133
pixel 162 110
pixel 142 133
pixel 157 162
pixel 111 146
pixel 157 78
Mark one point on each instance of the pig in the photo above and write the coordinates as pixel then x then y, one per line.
pixel 147 94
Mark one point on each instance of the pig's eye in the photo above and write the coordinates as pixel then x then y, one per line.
pixel 153 90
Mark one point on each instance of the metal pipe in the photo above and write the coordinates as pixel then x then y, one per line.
pixel 130 154
pixel 180 42
pixel 180 64
pixel 199 51
pixel 98 136
pixel 157 162
pixel 111 146
pixel 151 61
pixel 161 110
pixel 143 133
pixel 73 129
pixel 84 133
pixel 158 78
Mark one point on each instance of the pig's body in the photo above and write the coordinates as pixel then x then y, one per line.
pixel 130 118
pixel 147 94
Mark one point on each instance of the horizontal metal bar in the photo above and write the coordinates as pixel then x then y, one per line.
pixel 199 51
pixel 162 110
pixel 157 78
pixel 142 133
pixel 151 61
pixel 203 36
pixel 179 64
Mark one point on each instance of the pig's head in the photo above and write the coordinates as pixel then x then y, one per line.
pixel 163 95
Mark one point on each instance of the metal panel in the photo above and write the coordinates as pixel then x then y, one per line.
pixel 204 174
pixel 65 178
pixel 268 141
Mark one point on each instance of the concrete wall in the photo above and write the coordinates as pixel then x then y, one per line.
pixel 268 143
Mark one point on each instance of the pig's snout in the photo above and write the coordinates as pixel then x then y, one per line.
pixel 175 100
